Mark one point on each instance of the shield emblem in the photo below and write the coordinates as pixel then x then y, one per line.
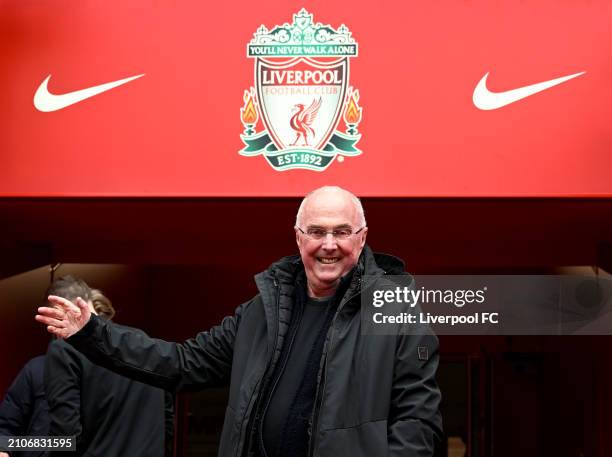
pixel 301 92
pixel 301 99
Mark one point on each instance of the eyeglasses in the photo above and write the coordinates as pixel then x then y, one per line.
pixel 339 234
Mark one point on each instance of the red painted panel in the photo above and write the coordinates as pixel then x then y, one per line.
pixel 176 130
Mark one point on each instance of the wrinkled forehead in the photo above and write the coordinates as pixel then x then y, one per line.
pixel 330 211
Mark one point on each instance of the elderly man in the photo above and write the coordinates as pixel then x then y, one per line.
pixel 304 379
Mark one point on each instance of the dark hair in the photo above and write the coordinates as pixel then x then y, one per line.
pixel 70 288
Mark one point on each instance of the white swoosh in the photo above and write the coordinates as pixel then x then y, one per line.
pixel 484 99
pixel 45 101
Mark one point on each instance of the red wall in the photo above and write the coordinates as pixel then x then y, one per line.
pixel 176 130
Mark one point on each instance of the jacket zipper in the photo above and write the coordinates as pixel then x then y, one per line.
pixel 271 394
pixel 312 429
pixel 259 384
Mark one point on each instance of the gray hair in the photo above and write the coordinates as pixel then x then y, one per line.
pixel 354 198
pixel 69 287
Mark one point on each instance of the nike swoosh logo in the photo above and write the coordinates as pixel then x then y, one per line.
pixel 46 102
pixel 484 99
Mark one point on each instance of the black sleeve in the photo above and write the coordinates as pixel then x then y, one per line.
pixel 63 372
pixel 414 423
pixel 202 361
pixel 17 406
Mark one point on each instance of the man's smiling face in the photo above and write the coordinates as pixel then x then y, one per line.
pixel 328 259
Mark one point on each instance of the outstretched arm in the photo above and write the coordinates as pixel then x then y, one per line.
pixel 201 361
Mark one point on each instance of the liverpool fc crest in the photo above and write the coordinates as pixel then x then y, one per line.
pixel 301 95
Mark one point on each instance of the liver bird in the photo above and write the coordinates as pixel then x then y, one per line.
pixel 302 119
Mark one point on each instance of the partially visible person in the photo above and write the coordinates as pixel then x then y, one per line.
pixel 24 410
pixel 102 305
pixel 108 414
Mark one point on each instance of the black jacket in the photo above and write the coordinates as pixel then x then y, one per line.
pixel 110 415
pixel 375 396
pixel 24 410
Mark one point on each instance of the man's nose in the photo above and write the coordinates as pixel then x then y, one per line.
pixel 329 242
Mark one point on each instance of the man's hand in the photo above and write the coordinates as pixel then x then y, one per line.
pixel 4 454
pixel 65 318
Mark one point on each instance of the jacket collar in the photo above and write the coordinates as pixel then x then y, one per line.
pixel 282 276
